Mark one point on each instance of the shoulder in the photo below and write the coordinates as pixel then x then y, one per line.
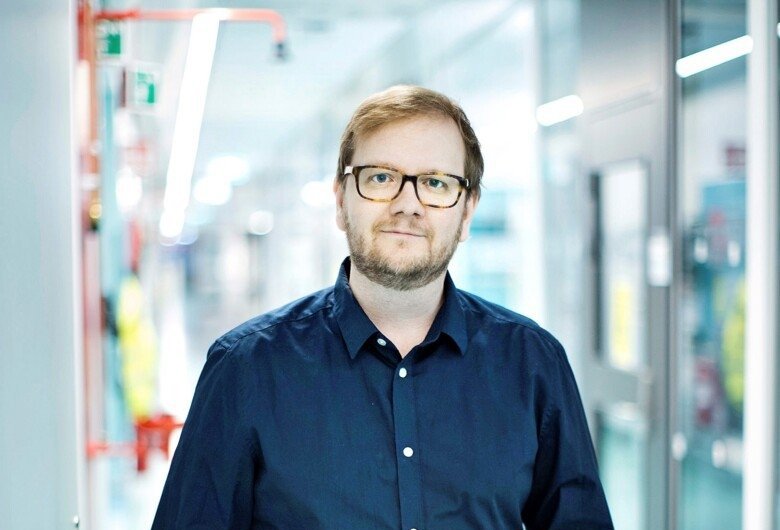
pixel 489 313
pixel 507 325
pixel 295 314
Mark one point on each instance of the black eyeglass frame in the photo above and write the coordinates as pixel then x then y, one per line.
pixel 355 172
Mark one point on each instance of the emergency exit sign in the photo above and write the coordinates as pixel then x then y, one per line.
pixel 110 40
pixel 143 85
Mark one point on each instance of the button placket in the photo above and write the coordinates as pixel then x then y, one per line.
pixel 407 454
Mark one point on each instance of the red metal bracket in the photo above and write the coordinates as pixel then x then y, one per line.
pixel 152 433
pixel 267 16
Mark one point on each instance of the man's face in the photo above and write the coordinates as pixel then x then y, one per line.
pixel 402 244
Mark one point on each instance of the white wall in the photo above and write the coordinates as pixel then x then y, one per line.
pixel 40 356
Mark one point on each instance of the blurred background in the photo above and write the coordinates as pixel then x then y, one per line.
pixel 165 174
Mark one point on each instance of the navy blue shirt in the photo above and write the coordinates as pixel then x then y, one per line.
pixel 307 418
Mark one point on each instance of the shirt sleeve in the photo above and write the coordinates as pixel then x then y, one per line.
pixel 566 491
pixel 211 478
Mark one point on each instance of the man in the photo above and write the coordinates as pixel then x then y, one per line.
pixel 391 400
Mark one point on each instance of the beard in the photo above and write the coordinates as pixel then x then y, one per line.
pixel 405 275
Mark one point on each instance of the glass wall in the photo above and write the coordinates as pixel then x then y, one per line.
pixel 711 312
pixel 607 206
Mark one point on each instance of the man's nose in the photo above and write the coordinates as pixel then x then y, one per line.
pixel 407 202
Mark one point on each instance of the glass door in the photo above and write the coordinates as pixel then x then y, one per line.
pixel 710 295
pixel 620 203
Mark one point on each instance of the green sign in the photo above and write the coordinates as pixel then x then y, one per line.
pixel 110 39
pixel 144 88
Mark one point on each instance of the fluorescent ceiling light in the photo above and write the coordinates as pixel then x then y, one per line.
pixel 171 224
pixel 189 115
pixel 706 59
pixel 559 110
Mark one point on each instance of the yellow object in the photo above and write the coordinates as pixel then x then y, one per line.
pixel 734 349
pixel 623 329
pixel 137 349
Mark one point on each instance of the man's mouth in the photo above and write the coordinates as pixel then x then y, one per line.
pixel 402 233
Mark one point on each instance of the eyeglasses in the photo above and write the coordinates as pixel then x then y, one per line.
pixel 384 184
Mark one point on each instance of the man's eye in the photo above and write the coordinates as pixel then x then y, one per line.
pixel 435 184
pixel 381 178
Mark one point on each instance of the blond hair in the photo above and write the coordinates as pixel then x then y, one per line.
pixel 403 102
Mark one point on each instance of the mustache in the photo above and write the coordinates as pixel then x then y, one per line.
pixel 410 228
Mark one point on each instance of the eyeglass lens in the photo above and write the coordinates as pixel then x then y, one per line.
pixel 384 184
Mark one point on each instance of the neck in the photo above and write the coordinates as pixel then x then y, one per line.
pixel 402 316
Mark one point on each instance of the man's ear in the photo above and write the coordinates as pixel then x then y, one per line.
pixel 338 191
pixel 468 215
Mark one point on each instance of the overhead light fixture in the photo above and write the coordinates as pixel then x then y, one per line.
pixel 711 57
pixel 189 116
pixel 261 222
pixel 559 110
pixel 171 224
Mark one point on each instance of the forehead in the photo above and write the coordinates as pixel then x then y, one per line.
pixel 414 145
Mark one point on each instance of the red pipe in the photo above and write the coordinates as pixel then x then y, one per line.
pixel 237 15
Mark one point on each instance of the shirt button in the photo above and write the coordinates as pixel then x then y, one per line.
pixel 402 372
pixel 408 452
pixel 381 341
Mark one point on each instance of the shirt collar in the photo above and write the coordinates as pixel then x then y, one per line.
pixel 357 328
pixel 451 318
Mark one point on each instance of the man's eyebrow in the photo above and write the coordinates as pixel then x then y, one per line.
pixel 393 166
pixel 382 164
